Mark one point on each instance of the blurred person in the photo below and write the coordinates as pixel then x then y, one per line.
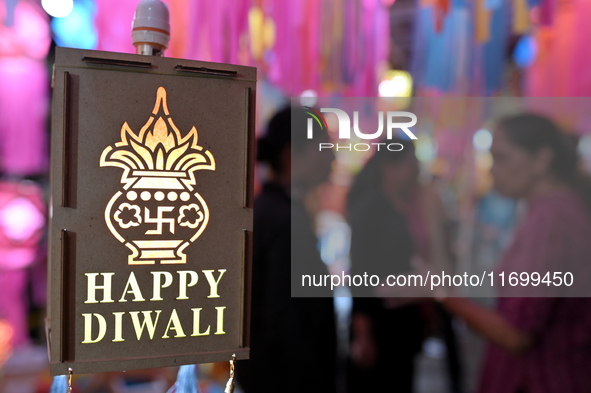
pixel 292 340
pixel 393 218
pixel 538 344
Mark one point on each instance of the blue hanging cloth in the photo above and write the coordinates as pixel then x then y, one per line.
pixel 186 381
pixel 59 384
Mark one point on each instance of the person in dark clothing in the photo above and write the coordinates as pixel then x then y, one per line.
pixel 293 340
pixel 393 220
pixel 384 341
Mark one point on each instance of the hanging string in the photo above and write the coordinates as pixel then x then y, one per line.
pixel 230 384
pixel 70 380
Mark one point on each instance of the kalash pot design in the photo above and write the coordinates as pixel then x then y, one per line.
pixel 157 214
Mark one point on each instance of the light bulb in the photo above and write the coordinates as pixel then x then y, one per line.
pixel 58 8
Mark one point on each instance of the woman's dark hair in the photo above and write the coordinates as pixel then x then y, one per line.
pixel 279 135
pixel 533 132
pixel 368 179
pixel 271 145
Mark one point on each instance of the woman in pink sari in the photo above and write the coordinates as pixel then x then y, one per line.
pixel 538 344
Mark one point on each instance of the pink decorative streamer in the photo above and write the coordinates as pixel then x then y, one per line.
pixel 563 63
pixel 113 22
pixel 23 109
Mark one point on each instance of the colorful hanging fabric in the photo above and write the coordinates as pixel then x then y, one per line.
pixel 548 10
pixel 441 8
pixel 482 21
pixel 330 46
pixel 467 57
pixel 365 45
pixel 113 23
pixel 442 59
pixel 521 21
pixel 563 62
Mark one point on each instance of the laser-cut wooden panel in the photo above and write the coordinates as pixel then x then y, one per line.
pixel 152 168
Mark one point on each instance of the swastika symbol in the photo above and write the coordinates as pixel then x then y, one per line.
pixel 159 220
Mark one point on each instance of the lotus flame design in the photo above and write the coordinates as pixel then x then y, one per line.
pixel 159 147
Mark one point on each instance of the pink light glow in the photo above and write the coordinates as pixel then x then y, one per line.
pixel 23 109
pixel 20 219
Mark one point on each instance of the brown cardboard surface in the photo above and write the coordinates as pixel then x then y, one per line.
pixel 93 98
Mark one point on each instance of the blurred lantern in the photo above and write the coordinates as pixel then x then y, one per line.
pixel 58 8
pixel 482 140
pixel 77 30
pixel 395 83
pixel 20 219
pixel 525 51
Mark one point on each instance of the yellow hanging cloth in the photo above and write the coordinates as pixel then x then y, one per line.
pixel 520 16
pixel 482 22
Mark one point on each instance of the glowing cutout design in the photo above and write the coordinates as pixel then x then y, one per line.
pixel 192 206
pixel 157 161
pixel 131 223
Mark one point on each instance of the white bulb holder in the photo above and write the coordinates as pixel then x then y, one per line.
pixel 151 28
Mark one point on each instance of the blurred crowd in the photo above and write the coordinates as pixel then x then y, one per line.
pixel 535 344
